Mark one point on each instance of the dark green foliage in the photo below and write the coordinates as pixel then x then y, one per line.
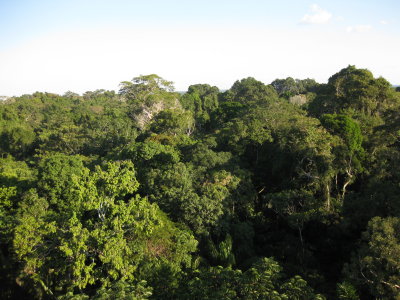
pixel 55 178
pixel 173 122
pixel 124 290
pixel 353 89
pixel 348 150
pixel 346 128
pixel 250 91
pixel 263 280
pixel 376 263
pixel 346 291
pixel 17 140
pixel 226 112
pixel 202 101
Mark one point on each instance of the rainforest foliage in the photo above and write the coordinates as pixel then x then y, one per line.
pixel 288 190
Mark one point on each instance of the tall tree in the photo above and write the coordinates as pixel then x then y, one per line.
pixel 348 151
pixel 148 95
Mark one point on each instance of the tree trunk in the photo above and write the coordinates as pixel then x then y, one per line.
pixel 328 197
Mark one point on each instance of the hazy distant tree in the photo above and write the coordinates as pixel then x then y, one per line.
pixel 290 87
pixel 70 94
pixel 286 87
pixel 143 87
pixel 147 96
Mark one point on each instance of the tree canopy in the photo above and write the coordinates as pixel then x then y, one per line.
pixel 247 193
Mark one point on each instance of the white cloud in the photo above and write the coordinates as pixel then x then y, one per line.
pixel 318 16
pixel 359 28
pixel 384 22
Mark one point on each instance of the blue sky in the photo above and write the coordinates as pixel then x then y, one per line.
pixel 83 45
